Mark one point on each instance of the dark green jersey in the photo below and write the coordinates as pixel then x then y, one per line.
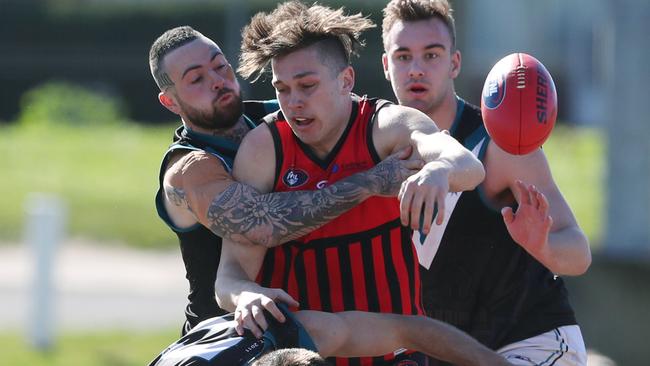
pixel 480 279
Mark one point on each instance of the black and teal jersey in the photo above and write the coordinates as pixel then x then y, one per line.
pixel 200 248
pixel 480 280
pixel 214 342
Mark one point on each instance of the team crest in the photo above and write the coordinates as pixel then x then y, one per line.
pixel 295 178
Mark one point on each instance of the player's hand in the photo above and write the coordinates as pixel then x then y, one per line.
pixel 422 193
pixel 385 178
pixel 531 224
pixel 250 309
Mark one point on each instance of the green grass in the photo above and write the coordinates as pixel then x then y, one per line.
pixel 113 348
pixel 107 176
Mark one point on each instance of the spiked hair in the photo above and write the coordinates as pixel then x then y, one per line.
pixel 293 26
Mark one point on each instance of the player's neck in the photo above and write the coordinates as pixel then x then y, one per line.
pixel 235 133
pixel 445 113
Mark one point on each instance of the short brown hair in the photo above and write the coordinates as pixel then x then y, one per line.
pixel 414 10
pixel 292 26
pixel 163 45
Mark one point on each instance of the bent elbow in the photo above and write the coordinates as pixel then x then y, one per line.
pixel 577 267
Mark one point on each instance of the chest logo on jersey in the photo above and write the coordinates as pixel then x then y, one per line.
pixel 295 178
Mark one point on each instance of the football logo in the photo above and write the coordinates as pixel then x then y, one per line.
pixel 295 178
pixel 494 90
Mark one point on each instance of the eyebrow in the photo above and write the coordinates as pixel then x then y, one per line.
pixel 427 47
pixel 215 53
pixel 297 76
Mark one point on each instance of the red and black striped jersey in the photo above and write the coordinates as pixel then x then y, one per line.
pixel 364 259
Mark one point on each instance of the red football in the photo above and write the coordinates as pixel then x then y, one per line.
pixel 519 103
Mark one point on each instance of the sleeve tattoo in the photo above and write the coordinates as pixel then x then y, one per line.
pixel 240 213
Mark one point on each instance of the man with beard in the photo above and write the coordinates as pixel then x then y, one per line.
pixel 199 200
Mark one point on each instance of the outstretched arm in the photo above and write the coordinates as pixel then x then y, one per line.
pixel 357 334
pixel 543 223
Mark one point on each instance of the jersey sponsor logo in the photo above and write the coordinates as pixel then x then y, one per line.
pixel 355 166
pixel 322 184
pixel 295 178
pixel 494 90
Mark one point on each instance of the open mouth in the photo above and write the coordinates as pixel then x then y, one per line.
pixel 417 89
pixel 301 121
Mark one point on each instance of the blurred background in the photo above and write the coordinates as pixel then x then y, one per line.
pixel 90 275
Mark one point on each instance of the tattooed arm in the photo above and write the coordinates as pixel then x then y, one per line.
pixel 198 188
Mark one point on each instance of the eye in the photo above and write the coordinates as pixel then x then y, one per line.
pixel 197 80
pixel 403 57
pixel 307 86
pixel 430 56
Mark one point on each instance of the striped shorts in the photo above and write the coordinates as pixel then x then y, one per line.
pixel 561 346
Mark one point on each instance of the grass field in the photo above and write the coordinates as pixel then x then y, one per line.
pixel 107 176
pixel 100 349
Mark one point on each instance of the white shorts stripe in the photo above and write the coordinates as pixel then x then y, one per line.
pixel 562 346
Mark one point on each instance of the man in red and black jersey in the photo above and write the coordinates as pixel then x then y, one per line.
pixel 492 267
pixel 199 200
pixel 363 260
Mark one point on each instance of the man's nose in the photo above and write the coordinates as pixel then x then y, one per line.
pixel 415 71
pixel 295 101
pixel 217 80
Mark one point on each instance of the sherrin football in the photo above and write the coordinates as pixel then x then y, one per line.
pixel 519 103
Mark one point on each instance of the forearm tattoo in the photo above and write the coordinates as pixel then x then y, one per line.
pixel 386 177
pixel 242 214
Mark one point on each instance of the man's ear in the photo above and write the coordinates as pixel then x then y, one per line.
pixel 384 62
pixel 168 102
pixel 455 64
pixel 348 79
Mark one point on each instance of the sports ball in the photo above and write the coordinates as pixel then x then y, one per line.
pixel 519 103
